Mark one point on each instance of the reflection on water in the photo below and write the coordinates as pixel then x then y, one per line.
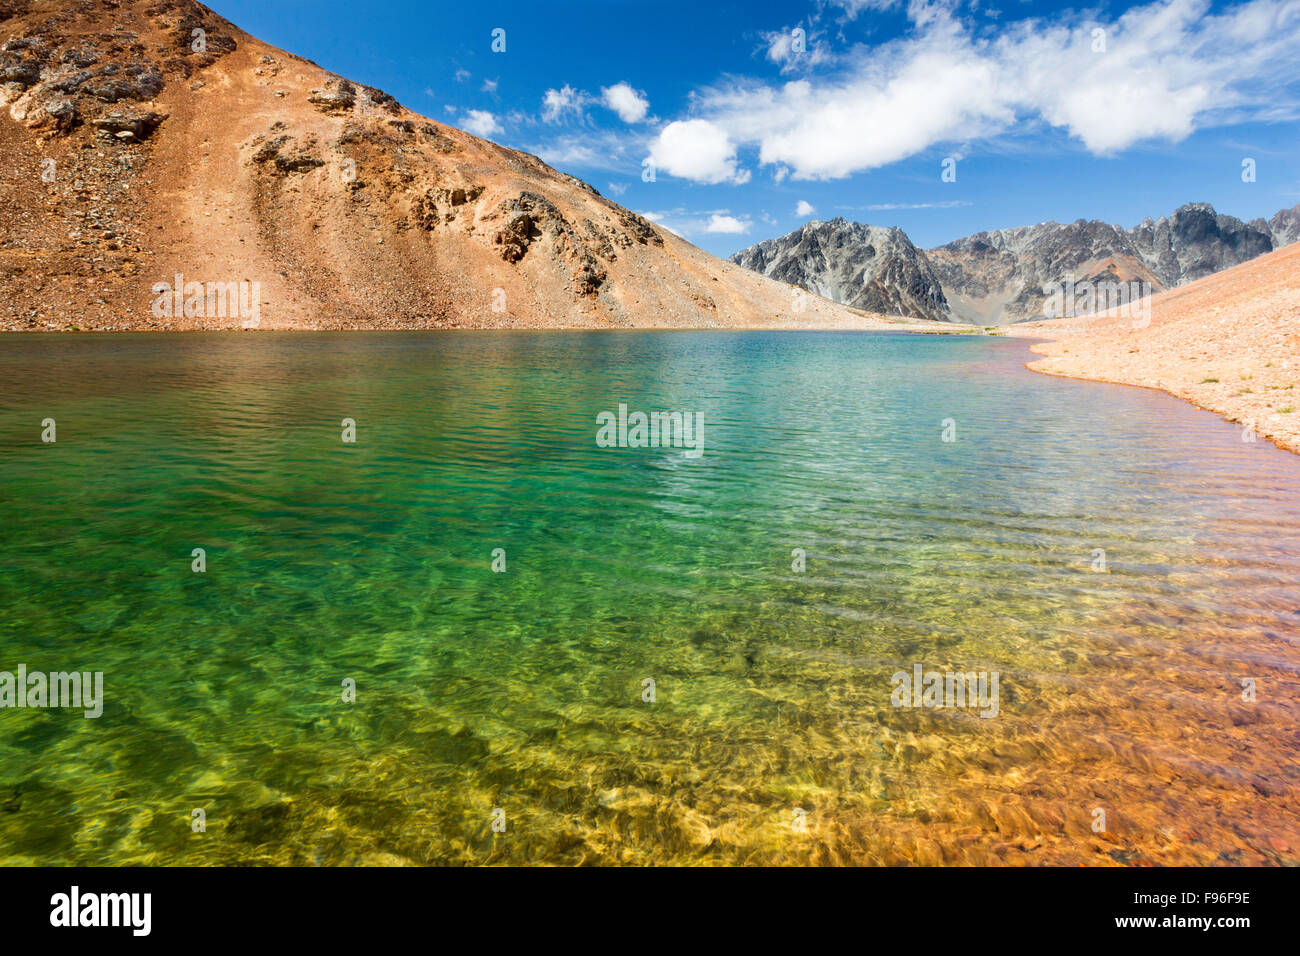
pixel 1120 691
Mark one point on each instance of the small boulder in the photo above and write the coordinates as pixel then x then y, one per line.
pixel 70 83
pixel 337 100
pixel 52 112
pixel 80 57
pixel 23 72
pixel 297 163
pixel 139 124
pixel 332 101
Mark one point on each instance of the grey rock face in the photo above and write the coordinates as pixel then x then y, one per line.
pixel 1284 227
pixel 23 72
pixel 991 277
pixel 1196 241
pixel 867 267
pixel 1006 275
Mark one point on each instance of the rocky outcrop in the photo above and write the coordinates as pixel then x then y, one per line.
pixel 1284 227
pixel 340 99
pixel 138 82
pixel 442 204
pixel 54 81
pixel 867 267
pixel 639 228
pixel 1195 242
pixel 137 123
pixel 531 217
pixel 284 160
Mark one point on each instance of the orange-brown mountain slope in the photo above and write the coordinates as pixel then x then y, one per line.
pixel 145 139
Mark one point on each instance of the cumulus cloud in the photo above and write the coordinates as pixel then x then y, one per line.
pixel 686 223
pixel 1167 69
pixel 480 123
pixel 727 225
pixel 556 103
pixel 804 208
pixel 630 105
pixel 697 149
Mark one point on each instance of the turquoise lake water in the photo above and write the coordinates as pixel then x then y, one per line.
pixel 517 697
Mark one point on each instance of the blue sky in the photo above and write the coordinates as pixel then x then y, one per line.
pixel 752 128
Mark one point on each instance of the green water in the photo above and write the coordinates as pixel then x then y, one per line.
pixel 771 738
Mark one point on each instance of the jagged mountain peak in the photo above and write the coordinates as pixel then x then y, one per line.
pixel 998 275
pixel 875 268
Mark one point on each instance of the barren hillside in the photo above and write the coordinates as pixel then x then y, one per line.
pixel 145 140
pixel 1229 342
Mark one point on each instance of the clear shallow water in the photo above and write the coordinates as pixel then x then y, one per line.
pixel 523 690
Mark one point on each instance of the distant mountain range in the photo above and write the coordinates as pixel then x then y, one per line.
pixel 998 277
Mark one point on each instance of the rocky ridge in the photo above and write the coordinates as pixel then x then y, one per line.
pixel 997 277
pixel 868 267
pixel 141 140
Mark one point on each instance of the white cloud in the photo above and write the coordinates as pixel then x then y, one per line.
pixel 886 110
pixel 852 8
pixel 804 209
pixel 728 225
pixel 480 123
pixel 779 45
pixel 630 105
pixel 697 149
pixel 1169 68
pixel 686 223
pixel 462 75
pixel 950 204
pixel 490 86
pixel 662 220
pixel 617 189
pixel 793 50
pixel 613 151
pixel 555 103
